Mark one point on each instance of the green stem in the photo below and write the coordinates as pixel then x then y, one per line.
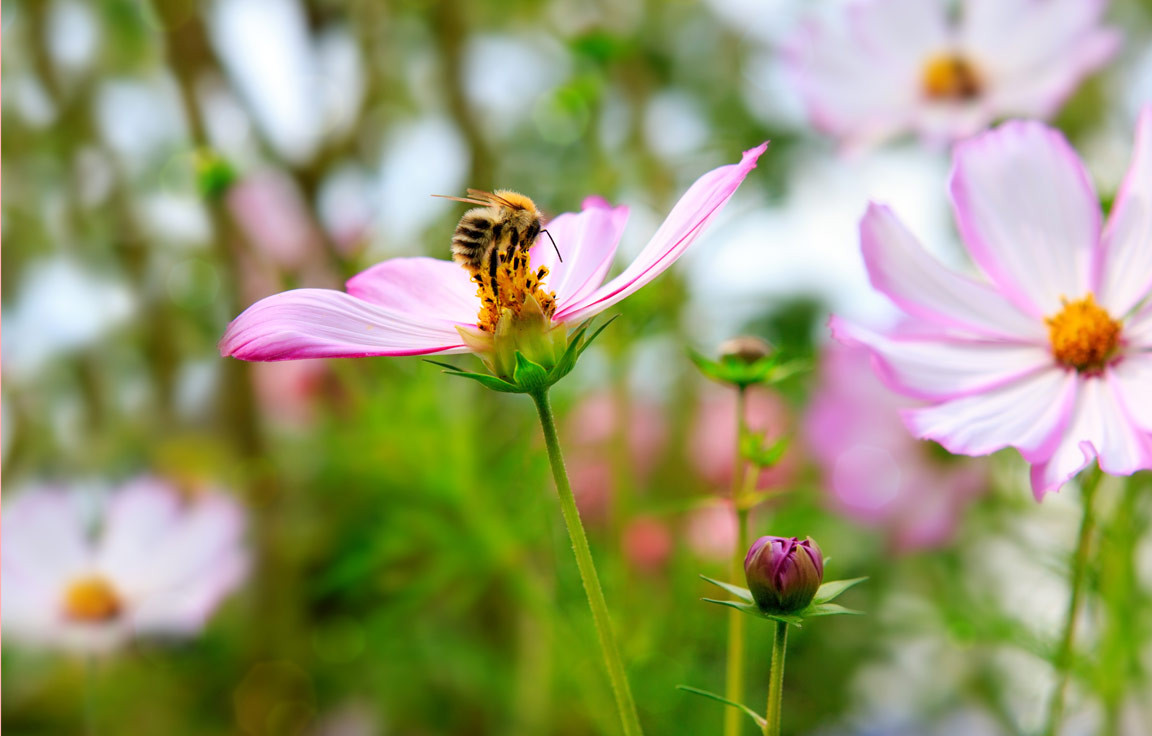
pixel 1079 568
pixel 734 676
pixel 616 673
pixel 776 681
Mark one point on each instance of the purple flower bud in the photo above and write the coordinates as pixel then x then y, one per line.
pixel 783 573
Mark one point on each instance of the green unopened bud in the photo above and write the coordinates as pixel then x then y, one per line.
pixel 783 573
pixel 745 349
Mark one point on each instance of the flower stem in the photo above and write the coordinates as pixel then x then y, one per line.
pixel 776 681
pixel 1079 567
pixel 616 673
pixel 734 676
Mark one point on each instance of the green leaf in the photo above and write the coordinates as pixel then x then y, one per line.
pixel 449 366
pixel 760 720
pixel 753 610
pixel 529 376
pixel 742 593
pixel 492 382
pixel 833 588
pixel 828 609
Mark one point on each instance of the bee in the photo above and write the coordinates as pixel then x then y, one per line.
pixel 504 222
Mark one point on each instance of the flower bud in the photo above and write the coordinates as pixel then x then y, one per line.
pixel 783 573
pixel 745 349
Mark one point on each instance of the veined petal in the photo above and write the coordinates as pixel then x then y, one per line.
pixel 1028 414
pixel 900 268
pixel 323 323
pixel 1101 429
pixel 587 241
pixel 1138 329
pixel 422 287
pixel 1028 214
pixel 686 221
pixel 1126 267
pixel 1131 379
pixel 944 367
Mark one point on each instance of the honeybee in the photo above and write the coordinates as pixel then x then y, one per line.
pixel 503 222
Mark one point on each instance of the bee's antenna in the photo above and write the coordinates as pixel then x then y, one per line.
pixel 554 245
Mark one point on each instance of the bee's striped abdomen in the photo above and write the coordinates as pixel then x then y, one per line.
pixel 473 237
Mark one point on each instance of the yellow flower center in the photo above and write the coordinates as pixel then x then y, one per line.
pixel 1083 335
pixel 950 78
pixel 92 600
pixel 514 282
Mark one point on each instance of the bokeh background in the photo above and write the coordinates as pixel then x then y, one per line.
pixel 169 163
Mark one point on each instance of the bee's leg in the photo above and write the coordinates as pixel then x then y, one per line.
pixel 493 258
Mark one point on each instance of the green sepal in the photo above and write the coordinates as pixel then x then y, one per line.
pixel 761 721
pixel 742 593
pixel 528 376
pixel 829 609
pixel 819 606
pixel 734 371
pixel 753 449
pixel 492 382
pixel 795 619
pixel 833 588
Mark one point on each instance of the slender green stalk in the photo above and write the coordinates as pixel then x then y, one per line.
pixel 1079 568
pixel 776 681
pixel 734 676
pixel 616 673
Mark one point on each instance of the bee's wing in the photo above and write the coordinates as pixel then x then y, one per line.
pixel 464 199
pixel 490 197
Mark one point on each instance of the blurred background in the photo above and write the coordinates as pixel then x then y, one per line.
pixel 169 162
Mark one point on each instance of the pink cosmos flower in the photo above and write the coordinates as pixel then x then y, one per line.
pixel 893 66
pixel 1051 353
pixel 874 471
pixel 161 563
pixel 419 306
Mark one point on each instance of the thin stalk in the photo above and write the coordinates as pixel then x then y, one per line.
pixel 734 675
pixel 776 681
pixel 611 653
pixel 1079 568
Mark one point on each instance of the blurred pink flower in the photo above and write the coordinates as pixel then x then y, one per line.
pixel 416 306
pixel 160 564
pixel 288 392
pixel 875 471
pixel 647 543
pixel 274 217
pixel 713 439
pixel 711 531
pixel 885 67
pixel 1052 353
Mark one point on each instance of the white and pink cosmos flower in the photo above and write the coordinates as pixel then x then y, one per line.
pixel 887 67
pixel 149 561
pixel 420 306
pixel 1050 352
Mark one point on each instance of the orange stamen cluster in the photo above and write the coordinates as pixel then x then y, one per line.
pixel 950 77
pixel 515 280
pixel 1083 335
pixel 91 600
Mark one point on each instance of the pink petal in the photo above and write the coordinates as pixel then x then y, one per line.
pixel 900 268
pixel 1131 379
pixel 1126 270
pixel 1028 214
pixel 686 221
pixel 1100 429
pixel 1028 414
pixel 322 323
pixel 44 537
pixel 943 367
pixel 1138 330
pixel 587 241
pixel 427 288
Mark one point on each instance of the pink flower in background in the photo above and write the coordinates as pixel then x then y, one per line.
pixel 274 217
pixel 417 306
pixel 289 392
pixel 875 472
pixel 160 563
pixel 887 67
pixel 647 543
pixel 1051 353
pixel 711 531
pixel 713 440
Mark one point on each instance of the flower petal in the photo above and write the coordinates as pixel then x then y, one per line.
pixel 686 221
pixel 1131 379
pixel 900 268
pixel 587 241
pixel 1028 414
pixel 322 323
pixel 43 532
pixel 1028 214
pixel 1126 268
pixel 1100 429
pixel 941 366
pixel 423 287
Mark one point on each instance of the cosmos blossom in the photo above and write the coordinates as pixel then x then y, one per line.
pixel 886 67
pixel 419 306
pixel 1050 353
pixel 160 563
pixel 874 471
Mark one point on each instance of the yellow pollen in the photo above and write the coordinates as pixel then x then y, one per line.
pixel 1083 335
pixel 515 280
pixel 91 599
pixel 950 77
